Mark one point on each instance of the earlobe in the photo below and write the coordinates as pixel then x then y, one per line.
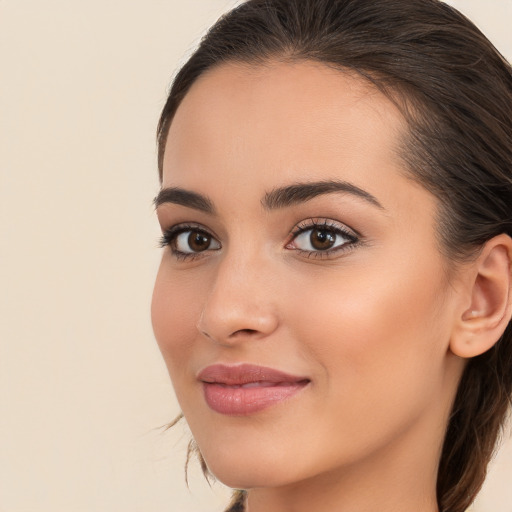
pixel 482 323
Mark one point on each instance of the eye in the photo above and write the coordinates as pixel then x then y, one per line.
pixel 325 237
pixel 187 241
pixel 194 241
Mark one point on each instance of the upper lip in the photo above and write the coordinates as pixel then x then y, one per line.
pixel 244 374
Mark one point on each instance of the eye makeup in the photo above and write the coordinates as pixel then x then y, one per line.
pixel 188 241
pixel 311 238
pixel 326 238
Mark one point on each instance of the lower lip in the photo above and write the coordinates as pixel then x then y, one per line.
pixel 238 401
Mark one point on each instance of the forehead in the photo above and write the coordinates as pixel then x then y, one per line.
pixel 267 125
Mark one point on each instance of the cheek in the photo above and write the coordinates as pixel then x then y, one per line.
pixel 375 332
pixel 175 310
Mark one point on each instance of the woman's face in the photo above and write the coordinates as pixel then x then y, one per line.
pixel 297 243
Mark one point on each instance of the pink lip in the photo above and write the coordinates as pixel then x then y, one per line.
pixel 246 389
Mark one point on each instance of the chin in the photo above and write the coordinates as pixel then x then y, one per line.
pixel 240 478
pixel 243 471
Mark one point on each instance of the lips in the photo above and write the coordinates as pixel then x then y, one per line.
pixel 247 389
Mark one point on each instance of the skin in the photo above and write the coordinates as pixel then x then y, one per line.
pixel 370 325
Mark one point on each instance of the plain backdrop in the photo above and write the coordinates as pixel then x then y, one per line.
pixel 83 389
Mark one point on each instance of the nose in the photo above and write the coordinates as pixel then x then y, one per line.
pixel 240 304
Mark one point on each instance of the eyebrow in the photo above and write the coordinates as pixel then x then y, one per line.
pixel 277 198
pixel 184 197
pixel 302 192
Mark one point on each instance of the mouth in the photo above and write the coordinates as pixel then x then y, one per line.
pixel 246 389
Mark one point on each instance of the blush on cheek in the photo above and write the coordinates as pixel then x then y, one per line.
pixel 168 318
pixel 370 319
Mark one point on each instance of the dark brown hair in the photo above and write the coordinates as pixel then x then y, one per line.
pixel 455 91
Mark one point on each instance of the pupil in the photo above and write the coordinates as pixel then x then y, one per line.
pixel 322 239
pixel 198 241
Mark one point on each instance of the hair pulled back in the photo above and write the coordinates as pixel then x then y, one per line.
pixel 455 92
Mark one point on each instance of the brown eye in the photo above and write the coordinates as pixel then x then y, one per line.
pixel 322 239
pixel 198 241
pixel 194 241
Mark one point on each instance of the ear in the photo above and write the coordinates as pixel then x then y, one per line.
pixel 486 307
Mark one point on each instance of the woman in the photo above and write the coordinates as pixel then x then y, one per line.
pixel 333 302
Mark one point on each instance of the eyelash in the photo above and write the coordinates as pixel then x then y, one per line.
pixel 170 236
pixel 332 226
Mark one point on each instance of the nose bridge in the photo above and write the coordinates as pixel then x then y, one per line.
pixel 240 301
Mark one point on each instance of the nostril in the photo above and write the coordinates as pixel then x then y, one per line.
pixel 244 331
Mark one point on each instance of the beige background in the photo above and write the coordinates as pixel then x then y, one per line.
pixel 82 387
